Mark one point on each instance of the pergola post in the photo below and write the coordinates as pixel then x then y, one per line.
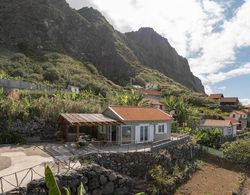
pixel 77 134
pixel 66 131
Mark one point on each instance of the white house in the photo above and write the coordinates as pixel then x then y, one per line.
pixel 120 125
pixel 241 116
pixel 227 128
pixel 140 124
pixel 73 89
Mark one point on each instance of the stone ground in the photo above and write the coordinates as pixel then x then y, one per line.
pixel 212 180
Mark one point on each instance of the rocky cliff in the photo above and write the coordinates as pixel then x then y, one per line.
pixel 32 27
pixel 154 51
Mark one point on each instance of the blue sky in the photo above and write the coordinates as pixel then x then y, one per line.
pixel 214 35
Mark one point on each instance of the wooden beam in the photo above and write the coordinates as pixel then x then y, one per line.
pixel 66 131
pixel 77 134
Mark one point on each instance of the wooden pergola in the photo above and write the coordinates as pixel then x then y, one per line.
pixel 89 120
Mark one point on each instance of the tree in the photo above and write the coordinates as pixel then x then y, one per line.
pixel 180 107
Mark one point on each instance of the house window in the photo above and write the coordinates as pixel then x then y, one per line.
pixel 161 128
pixel 126 134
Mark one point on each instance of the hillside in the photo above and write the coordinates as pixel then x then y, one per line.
pixel 44 26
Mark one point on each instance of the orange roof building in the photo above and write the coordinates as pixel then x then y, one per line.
pixel 216 96
pixel 127 113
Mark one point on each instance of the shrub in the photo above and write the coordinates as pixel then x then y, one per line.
pixel 11 137
pixel 159 176
pixel 51 75
pixel 237 151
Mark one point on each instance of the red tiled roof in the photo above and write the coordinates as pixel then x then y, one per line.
pixel 216 96
pixel 239 112
pixel 128 113
pixel 229 99
pixel 152 92
pixel 233 120
pixel 216 123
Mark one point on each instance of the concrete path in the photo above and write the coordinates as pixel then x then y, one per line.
pixel 21 158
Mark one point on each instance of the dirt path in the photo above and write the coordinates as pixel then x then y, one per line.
pixel 246 188
pixel 211 180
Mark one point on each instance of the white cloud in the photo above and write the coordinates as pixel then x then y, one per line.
pixel 222 88
pixel 190 28
pixel 221 76
pixel 245 101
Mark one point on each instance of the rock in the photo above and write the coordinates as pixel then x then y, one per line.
pixel 97 192
pixel 103 179
pixel 93 183
pixel 112 177
pixel 109 188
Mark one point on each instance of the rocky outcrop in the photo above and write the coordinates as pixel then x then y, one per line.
pixel 51 25
pixel 154 51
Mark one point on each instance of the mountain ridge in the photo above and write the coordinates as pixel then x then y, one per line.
pixel 85 34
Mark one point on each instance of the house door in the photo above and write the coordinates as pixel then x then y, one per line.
pixel 112 133
pixel 144 133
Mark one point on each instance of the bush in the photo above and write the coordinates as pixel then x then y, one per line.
pixel 209 137
pixel 237 151
pixel 11 137
pixel 51 75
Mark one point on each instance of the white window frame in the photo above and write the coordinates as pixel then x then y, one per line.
pixel 131 126
pixel 158 128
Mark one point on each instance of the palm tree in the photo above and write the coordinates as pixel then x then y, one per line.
pixel 177 104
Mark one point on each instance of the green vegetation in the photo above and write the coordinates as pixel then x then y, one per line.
pixel 55 70
pixel 131 98
pixel 210 138
pixel 159 177
pixel 238 151
pixel 53 186
pixel 11 137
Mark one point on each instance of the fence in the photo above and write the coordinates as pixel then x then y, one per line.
pixel 21 178
pixel 208 150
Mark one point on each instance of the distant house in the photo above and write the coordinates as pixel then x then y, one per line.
pixel 153 94
pixel 216 96
pixel 228 129
pixel 247 111
pixel 229 101
pixel 241 116
pixel 233 121
pixel 121 125
pixel 73 89
pixel 151 86
pixel 153 97
pixel 155 103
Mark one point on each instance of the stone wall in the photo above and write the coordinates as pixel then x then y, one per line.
pixel 126 173
pixel 96 180
pixel 14 84
pixel 138 164
pixel 34 130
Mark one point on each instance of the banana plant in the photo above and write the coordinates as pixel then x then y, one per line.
pixel 53 186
